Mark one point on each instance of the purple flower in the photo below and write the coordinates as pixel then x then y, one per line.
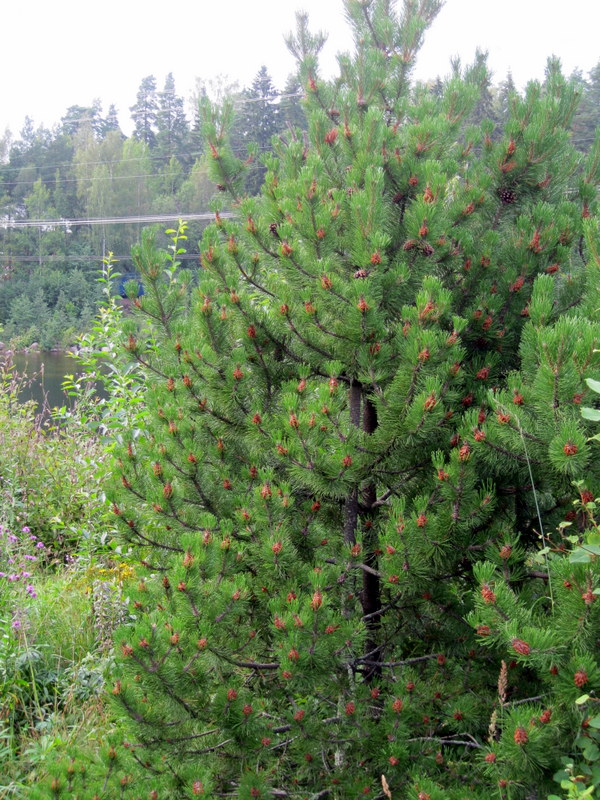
pixel 2 574
pixel 33 537
pixel 28 557
pixel 25 529
pixel 14 577
pixel 26 574
pixel 12 537
pixel 16 624
pixel 40 545
pixel 30 590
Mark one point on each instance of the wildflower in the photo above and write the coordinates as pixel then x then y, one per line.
pixel 25 529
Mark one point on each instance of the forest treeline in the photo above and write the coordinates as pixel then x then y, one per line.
pixel 86 168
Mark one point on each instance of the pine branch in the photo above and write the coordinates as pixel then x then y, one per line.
pixel 447 740
pixel 405 662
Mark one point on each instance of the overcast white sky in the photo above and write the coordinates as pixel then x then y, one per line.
pixel 69 52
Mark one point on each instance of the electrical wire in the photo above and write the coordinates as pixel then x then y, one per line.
pixel 96 163
pixel 48 259
pixel 94 178
pixel 238 103
pixel 68 223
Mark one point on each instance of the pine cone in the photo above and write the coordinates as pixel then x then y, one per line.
pixel 507 196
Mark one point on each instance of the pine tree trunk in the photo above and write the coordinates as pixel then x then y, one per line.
pixel 371 592
pixel 351 506
pixel 359 506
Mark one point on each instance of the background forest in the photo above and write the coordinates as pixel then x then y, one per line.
pixel 85 168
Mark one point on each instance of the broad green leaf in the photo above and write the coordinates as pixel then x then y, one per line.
pixel 593 385
pixel 592 414
pixel 580 556
pixel 582 699
pixel 591 751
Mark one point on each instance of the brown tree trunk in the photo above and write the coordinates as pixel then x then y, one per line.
pixel 359 508
pixel 351 506
pixel 371 591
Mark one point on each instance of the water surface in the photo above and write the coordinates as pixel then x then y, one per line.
pixel 43 375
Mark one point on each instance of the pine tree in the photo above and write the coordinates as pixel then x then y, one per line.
pixel 587 119
pixel 144 112
pixel 359 422
pixel 111 122
pixel 291 111
pixel 257 122
pixel 484 108
pixel 76 116
pixel 172 127
pixel 506 91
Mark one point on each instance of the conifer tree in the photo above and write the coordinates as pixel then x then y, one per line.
pixel 111 122
pixel 145 111
pixel 172 126
pixel 587 119
pixel 359 424
pixel 257 122
pixel 292 113
pixel 506 90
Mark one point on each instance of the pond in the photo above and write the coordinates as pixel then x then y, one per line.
pixel 43 377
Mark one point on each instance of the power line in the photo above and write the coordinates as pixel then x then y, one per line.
pixel 96 163
pixel 68 223
pixel 238 102
pixel 48 259
pixel 95 178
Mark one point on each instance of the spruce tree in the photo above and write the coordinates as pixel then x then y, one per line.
pixel 360 422
pixel 111 122
pixel 506 90
pixel 172 127
pixel 257 122
pixel 144 112
pixel 291 111
pixel 587 119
